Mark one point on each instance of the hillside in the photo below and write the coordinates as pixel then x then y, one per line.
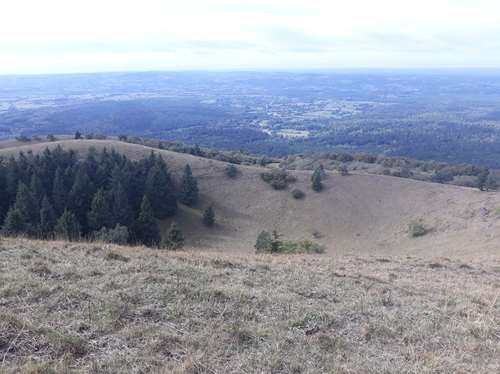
pixel 110 309
pixel 354 214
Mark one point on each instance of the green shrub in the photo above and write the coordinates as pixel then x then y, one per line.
pixel 231 171
pixel 117 235
pixel 417 229
pixel 277 178
pixel 298 194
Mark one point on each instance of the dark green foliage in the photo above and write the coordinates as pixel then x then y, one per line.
pixel 59 192
pixel 316 178
pixel 417 228
pixel 209 216
pixel 481 179
pixel 188 188
pixel 78 135
pixel 26 205
pixel 159 190
pixel 68 227
pixel 231 171
pixel 264 242
pixel 103 190
pixel 298 194
pixel 174 238
pixel 147 230
pixel 14 223
pixel 101 214
pixel 47 219
pixel 277 178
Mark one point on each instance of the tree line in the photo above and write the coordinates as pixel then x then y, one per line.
pixel 105 196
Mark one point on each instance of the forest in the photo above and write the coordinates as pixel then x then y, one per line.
pixel 104 196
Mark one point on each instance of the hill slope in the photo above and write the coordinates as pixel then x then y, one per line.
pixel 354 214
pixel 109 309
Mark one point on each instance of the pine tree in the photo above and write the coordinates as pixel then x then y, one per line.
pixel 147 230
pixel 47 218
pixel 174 238
pixel 481 179
pixel 120 207
pixel 189 187
pixel 59 192
pixel 68 227
pixel 316 181
pixel 37 189
pixel 26 205
pixel 209 216
pixel 80 197
pixel 100 214
pixel 14 223
pixel 159 190
pixel 78 135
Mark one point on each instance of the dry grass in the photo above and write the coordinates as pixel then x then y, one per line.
pixel 106 309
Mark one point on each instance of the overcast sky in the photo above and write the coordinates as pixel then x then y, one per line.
pixel 52 36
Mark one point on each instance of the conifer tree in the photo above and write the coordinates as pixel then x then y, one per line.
pixel 159 190
pixel 14 223
pixel 37 189
pixel 316 181
pixel 26 205
pixel 174 238
pixel 147 230
pixel 68 227
pixel 47 218
pixel 491 183
pixel 59 192
pixel 80 197
pixel 189 187
pixel 120 207
pixel 209 216
pixel 100 214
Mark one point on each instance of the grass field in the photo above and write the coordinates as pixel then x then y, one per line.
pixel 104 309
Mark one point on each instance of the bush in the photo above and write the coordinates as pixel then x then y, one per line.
pixel 298 194
pixel 118 235
pixel 174 239
pixel 417 229
pixel 277 178
pixel 231 171
pixel 264 242
pixel 343 170
pixel 268 243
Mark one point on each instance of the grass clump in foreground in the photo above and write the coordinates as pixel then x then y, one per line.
pixel 272 243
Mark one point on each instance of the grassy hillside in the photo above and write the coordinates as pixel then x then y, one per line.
pixel 353 214
pixel 108 309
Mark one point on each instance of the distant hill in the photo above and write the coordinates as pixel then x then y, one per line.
pixel 358 213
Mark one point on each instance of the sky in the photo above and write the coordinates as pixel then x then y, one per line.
pixel 68 36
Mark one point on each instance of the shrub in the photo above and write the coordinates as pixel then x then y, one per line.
pixel 263 243
pixel 343 170
pixel 117 235
pixel 298 194
pixel 51 138
pixel 209 216
pixel 231 171
pixel 277 178
pixel 417 229
pixel 174 239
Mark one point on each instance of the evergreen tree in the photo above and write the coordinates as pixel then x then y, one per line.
pixel 26 205
pixel 80 197
pixel 159 190
pixel 209 216
pixel 120 207
pixel 174 238
pixel 481 179
pixel 100 214
pixel 59 192
pixel 316 181
pixel 47 218
pixel 147 230
pixel 78 135
pixel 189 187
pixel 263 243
pixel 14 223
pixel 37 189
pixel 231 171
pixel 68 227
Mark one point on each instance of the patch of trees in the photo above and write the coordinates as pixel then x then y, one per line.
pixel 105 196
pixel 278 178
